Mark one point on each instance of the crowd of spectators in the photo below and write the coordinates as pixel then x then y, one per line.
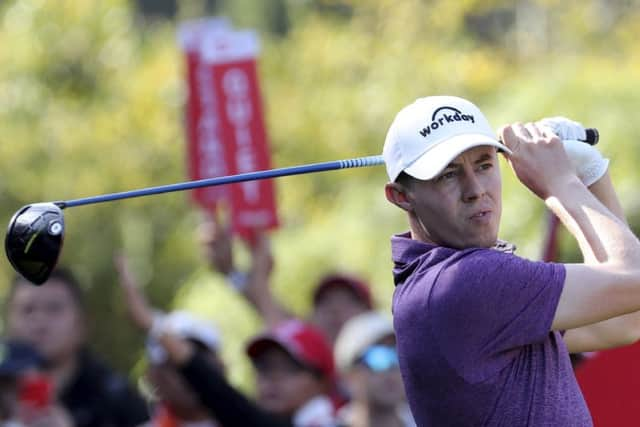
pixel 337 367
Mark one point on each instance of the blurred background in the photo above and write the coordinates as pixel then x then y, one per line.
pixel 91 102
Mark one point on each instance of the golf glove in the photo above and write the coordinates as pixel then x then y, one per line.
pixel 586 160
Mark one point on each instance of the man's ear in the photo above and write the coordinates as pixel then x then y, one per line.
pixel 398 195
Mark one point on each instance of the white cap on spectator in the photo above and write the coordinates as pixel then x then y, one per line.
pixel 187 326
pixel 358 334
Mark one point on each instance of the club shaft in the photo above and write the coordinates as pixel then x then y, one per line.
pixel 231 179
pixel 358 162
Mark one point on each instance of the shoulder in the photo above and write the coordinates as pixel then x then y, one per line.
pixel 444 275
pixel 478 270
pixel 483 284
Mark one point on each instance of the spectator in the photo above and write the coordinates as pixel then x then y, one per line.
pixel 178 405
pixel 25 398
pixel 295 371
pixel 294 368
pixel 366 356
pixel 52 318
pixel 336 298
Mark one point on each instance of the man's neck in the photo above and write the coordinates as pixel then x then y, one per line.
pixel 417 231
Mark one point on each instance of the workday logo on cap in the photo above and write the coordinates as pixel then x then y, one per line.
pixel 428 134
pixel 447 115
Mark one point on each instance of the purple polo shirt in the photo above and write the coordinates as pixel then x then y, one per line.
pixel 474 341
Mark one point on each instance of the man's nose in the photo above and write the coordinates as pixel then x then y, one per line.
pixel 472 186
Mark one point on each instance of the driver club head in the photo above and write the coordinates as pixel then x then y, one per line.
pixel 34 240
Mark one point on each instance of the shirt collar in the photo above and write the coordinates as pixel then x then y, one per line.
pixel 404 249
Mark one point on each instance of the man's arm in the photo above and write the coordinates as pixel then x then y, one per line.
pixel 228 405
pixel 258 289
pixel 614 332
pixel 607 285
pixel 255 285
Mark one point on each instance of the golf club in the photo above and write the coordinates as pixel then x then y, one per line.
pixel 36 232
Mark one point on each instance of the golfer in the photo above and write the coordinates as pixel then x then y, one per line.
pixel 484 335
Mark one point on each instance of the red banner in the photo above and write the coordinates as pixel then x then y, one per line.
pixel 252 202
pixel 232 61
pixel 610 381
pixel 205 152
pixel 224 121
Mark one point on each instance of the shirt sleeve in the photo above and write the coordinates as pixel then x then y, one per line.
pixel 486 306
pixel 225 403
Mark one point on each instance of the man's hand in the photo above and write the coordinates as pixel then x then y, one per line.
pixel 538 157
pixel 216 239
pixel 585 159
pixel 565 128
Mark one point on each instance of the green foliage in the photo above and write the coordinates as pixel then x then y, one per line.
pixel 79 89
pixel 91 102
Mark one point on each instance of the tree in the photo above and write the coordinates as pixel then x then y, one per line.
pixel 91 102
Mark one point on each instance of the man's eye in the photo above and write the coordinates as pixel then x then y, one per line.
pixel 447 175
pixel 486 166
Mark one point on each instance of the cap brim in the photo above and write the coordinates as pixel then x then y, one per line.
pixel 257 346
pixel 434 160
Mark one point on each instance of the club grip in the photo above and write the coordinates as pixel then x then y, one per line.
pixel 592 136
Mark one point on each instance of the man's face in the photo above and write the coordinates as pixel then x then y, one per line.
pixel 283 385
pixel 378 381
pixel 384 390
pixel 461 207
pixel 48 318
pixel 335 306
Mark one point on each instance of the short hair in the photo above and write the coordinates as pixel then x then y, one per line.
pixel 405 179
pixel 60 274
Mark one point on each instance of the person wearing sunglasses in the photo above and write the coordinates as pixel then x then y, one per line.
pixel 366 356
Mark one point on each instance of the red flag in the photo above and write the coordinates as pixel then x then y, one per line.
pixel 610 381
pixel 205 153
pixel 231 58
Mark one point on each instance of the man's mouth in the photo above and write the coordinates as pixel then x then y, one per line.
pixel 480 214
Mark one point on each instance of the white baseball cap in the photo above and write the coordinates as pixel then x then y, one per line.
pixel 187 326
pixel 428 134
pixel 358 334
